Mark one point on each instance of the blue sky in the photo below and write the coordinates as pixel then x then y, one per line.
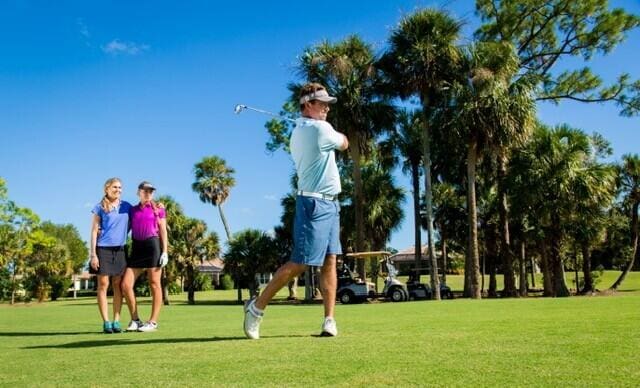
pixel 143 90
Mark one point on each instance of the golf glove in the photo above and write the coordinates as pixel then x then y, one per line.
pixel 164 259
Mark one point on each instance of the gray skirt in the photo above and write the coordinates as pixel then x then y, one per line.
pixel 112 261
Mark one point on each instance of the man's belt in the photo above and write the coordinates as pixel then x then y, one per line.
pixel 327 197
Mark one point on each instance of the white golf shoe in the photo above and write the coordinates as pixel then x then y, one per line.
pixel 148 327
pixel 134 325
pixel 329 328
pixel 252 320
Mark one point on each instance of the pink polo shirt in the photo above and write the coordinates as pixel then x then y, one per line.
pixel 144 223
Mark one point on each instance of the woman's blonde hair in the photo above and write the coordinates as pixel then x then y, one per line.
pixel 105 203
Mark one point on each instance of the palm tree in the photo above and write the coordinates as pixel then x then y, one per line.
pixel 214 180
pixel 630 184
pixel 491 111
pixel 420 61
pixel 406 142
pixel 240 258
pixel 449 216
pixel 554 176
pixel 348 71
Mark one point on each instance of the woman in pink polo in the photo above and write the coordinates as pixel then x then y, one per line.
pixel 148 253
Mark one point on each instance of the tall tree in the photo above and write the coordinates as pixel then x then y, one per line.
pixel 16 224
pixel 241 257
pixel 492 111
pixel 552 174
pixel 545 32
pixel 214 180
pixel 406 143
pixel 630 184
pixel 421 61
pixel 348 70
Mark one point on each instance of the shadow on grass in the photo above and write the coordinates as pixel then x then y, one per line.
pixel 119 342
pixel 44 333
pixel 275 302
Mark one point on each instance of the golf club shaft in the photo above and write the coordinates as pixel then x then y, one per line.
pixel 264 112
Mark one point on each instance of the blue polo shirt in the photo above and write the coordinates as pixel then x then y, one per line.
pixel 313 144
pixel 114 225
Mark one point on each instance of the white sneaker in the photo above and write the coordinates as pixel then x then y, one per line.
pixel 148 326
pixel 134 325
pixel 329 328
pixel 252 320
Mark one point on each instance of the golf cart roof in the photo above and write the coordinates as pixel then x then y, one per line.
pixel 364 255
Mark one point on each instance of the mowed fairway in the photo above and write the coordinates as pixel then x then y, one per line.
pixel 575 341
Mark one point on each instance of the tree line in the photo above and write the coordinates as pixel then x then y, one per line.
pixel 462 118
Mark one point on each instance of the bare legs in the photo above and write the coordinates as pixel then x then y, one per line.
pixel 153 274
pixel 103 306
pixel 329 284
pixel 288 271
pixel 129 280
pixel 284 274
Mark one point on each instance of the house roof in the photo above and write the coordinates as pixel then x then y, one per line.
pixel 407 254
pixel 214 265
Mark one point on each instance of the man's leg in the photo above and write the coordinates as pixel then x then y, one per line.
pixel 329 284
pixel 284 274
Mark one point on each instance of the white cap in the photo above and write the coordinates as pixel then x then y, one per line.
pixel 320 95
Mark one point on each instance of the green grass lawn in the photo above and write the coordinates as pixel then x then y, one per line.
pixel 575 341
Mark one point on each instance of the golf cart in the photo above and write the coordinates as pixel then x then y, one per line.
pixel 352 289
pixel 419 290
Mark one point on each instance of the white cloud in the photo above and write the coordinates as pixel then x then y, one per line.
pixel 87 205
pixel 246 210
pixel 270 197
pixel 117 46
pixel 84 30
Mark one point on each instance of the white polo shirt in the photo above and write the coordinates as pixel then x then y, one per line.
pixel 312 147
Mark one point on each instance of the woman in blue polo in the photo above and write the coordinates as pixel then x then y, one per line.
pixel 109 228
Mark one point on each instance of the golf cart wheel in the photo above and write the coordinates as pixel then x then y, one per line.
pixel 347 297
pixel 397 295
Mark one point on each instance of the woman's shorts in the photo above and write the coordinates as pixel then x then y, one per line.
pixel 112 261
pixel 316 230
pixel 145 253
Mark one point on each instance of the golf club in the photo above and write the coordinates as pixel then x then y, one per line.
pixel 240 107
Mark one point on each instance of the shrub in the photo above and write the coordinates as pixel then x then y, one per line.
pixel 59 285
pixel 226 282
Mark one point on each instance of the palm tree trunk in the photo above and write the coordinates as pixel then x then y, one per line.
pixel 505 242
pixel 557 266
pixel 13 282
pixel 415 180
pixel 533 272
pixel 165 288
pixel 358 202
pixel 545 263
pixel 239 287
pixel 490 255
pixel 472 253
pixel 634 251
pixel 435 281
pixel 445 253
pixel 190 285
pixel 523 269
pixel 224 222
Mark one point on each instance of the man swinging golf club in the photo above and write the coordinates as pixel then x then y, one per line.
pixel 316 230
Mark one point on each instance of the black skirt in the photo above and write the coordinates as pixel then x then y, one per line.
pixel 145 253
pixel 112 261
